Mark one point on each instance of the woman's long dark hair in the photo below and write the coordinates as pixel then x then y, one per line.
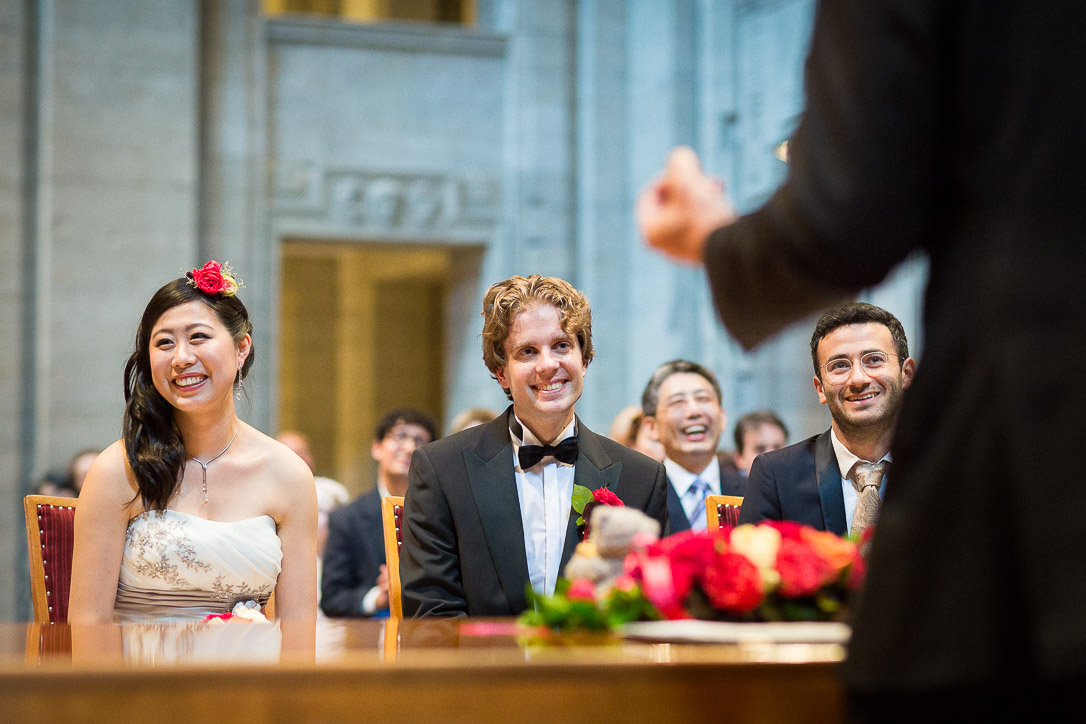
pixel 152 439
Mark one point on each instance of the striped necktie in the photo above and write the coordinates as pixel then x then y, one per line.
pixel 697 491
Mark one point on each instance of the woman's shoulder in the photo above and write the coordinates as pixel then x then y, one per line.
pixel 110 477
pixel 112 463
pixel 278 463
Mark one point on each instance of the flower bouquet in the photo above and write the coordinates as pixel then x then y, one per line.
pixel 775 571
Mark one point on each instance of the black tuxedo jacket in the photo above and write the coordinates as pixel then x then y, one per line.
pixel 801 483
pixel 731 483
pixel 463 540
pixel 952 129
pixel 353 555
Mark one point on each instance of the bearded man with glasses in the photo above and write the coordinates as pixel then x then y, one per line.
pixel 834 481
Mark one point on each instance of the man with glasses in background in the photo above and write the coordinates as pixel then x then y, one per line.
pixel 834 481
pixel 354 580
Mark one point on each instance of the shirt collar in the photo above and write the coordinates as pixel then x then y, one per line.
pixel 681 478
pixel 521 435
pixel 845 458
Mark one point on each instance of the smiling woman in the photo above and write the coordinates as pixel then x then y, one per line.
pixel 193 511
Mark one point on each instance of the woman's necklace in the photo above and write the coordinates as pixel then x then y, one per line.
pixel 203 465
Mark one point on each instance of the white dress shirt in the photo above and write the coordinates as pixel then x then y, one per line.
pixel 545 491
pixel 845 461
pixel 681 479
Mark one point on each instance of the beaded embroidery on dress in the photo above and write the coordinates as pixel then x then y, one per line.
pixel 180 566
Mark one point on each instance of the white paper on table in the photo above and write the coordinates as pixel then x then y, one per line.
pixel 724 632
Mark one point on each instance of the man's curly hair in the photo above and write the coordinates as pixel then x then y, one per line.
pixel 505 300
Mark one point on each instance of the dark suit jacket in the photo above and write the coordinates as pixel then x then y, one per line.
pixel 463 540
pixel 801 483
pixel 953 128
pixel 353 555
pixel 731 483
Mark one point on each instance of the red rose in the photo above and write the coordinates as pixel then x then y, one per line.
pixel 732 584
pixel 209 279
pixel 690 554
pixel 606 497
pixel 653 570
pixel 789 530
pixel 602 496
pixel 802 570
pixel 581 590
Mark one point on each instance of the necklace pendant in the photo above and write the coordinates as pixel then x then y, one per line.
pixel 203 465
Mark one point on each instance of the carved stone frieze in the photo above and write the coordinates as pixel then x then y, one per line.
pixel 384 203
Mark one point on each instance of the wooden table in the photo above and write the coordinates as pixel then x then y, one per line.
pixel 432 671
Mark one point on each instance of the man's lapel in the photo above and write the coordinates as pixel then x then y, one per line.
pixel 594 470
pixel 828 477
pixel 494 487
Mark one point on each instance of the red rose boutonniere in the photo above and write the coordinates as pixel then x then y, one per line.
pixel 584 500
pixel 214 278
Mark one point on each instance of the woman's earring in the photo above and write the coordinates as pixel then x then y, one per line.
pixel 241 385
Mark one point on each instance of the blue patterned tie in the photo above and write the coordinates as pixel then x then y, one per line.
pixel 698 489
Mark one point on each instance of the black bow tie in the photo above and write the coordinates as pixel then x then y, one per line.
pixel 563 452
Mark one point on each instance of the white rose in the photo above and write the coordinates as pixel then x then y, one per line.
pixel 759 544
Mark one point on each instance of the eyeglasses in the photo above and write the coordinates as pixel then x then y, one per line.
pixel 401 437
pixel 874 363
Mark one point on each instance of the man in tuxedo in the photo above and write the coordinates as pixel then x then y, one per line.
pixel 861 370
pixel 757 432
pixel 488 510
pixel 682 410
pixel 354 579
pixel 954 129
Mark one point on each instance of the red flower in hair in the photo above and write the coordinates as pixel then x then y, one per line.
pixel 214 278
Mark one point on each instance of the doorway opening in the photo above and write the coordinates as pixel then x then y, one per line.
pixel 361 331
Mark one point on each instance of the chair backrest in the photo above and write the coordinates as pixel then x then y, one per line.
pixel 50 535
pixel 392 522
pixel 722 511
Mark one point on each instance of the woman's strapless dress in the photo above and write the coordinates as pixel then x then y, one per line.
pixel 182 567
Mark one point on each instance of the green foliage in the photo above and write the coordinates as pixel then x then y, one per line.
pixel 582 496
pixel 558 613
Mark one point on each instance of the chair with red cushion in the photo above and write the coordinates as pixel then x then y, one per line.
pixel 50 534
pixel 392 522
pixel 722 511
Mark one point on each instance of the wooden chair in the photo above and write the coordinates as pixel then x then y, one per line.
pixel 722 511
pixel 392 522
pixel 50 535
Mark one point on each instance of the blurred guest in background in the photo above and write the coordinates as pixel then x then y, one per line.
pixel 470 418
pixel 682 404
pixel 627 428
pixel 56 484
pixel 330 494
pixel 755 433
pixel 354 581
pixel 79 465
